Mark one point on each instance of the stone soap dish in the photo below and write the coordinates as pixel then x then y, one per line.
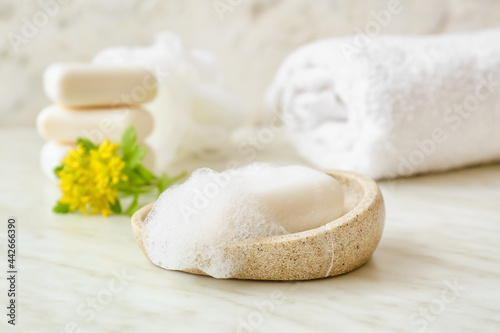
pixel 336 248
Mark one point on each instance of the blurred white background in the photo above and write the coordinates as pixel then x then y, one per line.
pixel 249 37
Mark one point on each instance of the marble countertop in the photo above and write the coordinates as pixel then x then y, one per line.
pixel 437 268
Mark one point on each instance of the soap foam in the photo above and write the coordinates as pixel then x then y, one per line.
pixel 194 113
pixel 193 225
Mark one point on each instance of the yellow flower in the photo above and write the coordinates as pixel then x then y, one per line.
pixel 94 178
pixel 89 178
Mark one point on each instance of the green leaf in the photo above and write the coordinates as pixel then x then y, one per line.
pixel 133 206
pixel 87 144
pixel 129 142
pixel 61 208
pixel 58 169
pixel 134 178
pixel 145 173
pixel 136 157
pixel 162 184
pixel 129 189
pixel 116 207
pixel 165 181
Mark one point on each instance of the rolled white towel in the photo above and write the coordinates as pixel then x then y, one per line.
pixel 395 105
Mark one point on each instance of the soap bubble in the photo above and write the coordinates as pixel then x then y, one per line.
pixel 194 225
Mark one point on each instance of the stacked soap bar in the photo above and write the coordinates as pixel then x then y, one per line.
pixel 94 102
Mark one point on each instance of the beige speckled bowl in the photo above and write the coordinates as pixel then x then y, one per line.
pixel 336 248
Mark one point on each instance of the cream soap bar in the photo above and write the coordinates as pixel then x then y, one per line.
pixel 83 85
pixel 52 155
pixel 296 197
pixel 65 125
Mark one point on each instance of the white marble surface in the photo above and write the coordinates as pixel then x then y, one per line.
pixel 440 229
pixel 250 38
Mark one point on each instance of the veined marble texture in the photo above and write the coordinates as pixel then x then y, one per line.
pixel 249 37
pixel 436 268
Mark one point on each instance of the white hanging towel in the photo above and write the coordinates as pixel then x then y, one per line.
pixel 391 106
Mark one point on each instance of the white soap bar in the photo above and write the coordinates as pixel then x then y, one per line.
pixel 51 156
pixel 82 85
pixel 65 125
pixel 296 197
pixel 53 153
